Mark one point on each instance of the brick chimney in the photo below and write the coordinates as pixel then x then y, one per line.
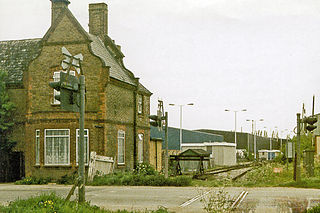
pixel 98 19
pixel 57 7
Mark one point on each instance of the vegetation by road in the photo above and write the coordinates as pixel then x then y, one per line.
pixel 51 203
pixel 266 176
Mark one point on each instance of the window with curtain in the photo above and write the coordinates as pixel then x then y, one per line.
pixel 57 150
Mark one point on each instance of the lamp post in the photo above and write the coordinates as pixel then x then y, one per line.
pixel 235 122
pixel 180 106
pixel 282 131
pixel 254 132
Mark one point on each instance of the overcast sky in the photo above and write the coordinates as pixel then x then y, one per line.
pixel 259 55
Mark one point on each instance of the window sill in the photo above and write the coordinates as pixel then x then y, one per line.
pixel 65 166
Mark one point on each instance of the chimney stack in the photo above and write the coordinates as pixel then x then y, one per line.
pixel 98 19
pixel 57 7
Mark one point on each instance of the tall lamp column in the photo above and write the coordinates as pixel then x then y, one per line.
pixel 235 122
pixel 180 106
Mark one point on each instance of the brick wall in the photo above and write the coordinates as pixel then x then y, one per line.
pixel 110 105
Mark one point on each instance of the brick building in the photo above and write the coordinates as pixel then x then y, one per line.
pixel 117 105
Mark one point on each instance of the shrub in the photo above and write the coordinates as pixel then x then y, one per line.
pixel 315 209
pixel 134 179
pixel 145 169
pixel 33 180
pixel 67 179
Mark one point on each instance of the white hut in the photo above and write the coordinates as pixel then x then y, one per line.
pixel 222 153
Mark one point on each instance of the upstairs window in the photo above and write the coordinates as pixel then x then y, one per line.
pixel 56 78
pixel 140 104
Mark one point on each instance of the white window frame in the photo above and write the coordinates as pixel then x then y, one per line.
pixel 88 145
pixel 56 78
pixel 121 137
pixel 140 147
pixel 37 147
pixel 67 146
pixel 140 104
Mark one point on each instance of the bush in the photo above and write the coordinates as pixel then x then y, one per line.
pixel 134 179
pixel 315 209
pixel 145 169
pixel 33 180
pixel 67 179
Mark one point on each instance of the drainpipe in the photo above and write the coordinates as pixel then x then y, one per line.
pixel 135 93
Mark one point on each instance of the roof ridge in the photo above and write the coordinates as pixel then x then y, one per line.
pixel 27 39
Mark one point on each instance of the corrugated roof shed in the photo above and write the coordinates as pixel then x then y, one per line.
pixel 188 136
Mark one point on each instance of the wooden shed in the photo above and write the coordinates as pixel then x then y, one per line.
pixel 191 160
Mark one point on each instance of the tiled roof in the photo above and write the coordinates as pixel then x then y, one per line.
pixel 16 55
pixel 116 71
pixel 141 88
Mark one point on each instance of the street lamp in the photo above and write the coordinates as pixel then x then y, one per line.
pixel 180 106
pixel 282 131
pixel 235 122
pixel 254 124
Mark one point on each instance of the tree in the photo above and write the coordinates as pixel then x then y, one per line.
pixel 305 141
pixel 7 110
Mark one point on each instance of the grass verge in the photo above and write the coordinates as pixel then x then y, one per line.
pixel 51 203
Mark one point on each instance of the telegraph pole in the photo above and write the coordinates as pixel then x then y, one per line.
pixel 166 163
pixel 298 169
pixel 81 145
pixel 72 98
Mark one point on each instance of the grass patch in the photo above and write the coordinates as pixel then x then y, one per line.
pixel 51 203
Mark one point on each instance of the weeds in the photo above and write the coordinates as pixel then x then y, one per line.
pixel 51 203
pixel 216 201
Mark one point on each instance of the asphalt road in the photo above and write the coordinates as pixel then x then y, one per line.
pixel 178 199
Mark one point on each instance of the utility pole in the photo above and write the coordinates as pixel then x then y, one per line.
pixel 81 145
pixel 72 98
pixel 166 163
pixel 297 166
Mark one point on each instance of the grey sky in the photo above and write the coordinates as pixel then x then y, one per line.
pixel 262 55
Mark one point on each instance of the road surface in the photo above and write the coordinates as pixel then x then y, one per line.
pixel 177 199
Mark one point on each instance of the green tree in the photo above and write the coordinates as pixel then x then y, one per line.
pixel 7 110
pixel 305 141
